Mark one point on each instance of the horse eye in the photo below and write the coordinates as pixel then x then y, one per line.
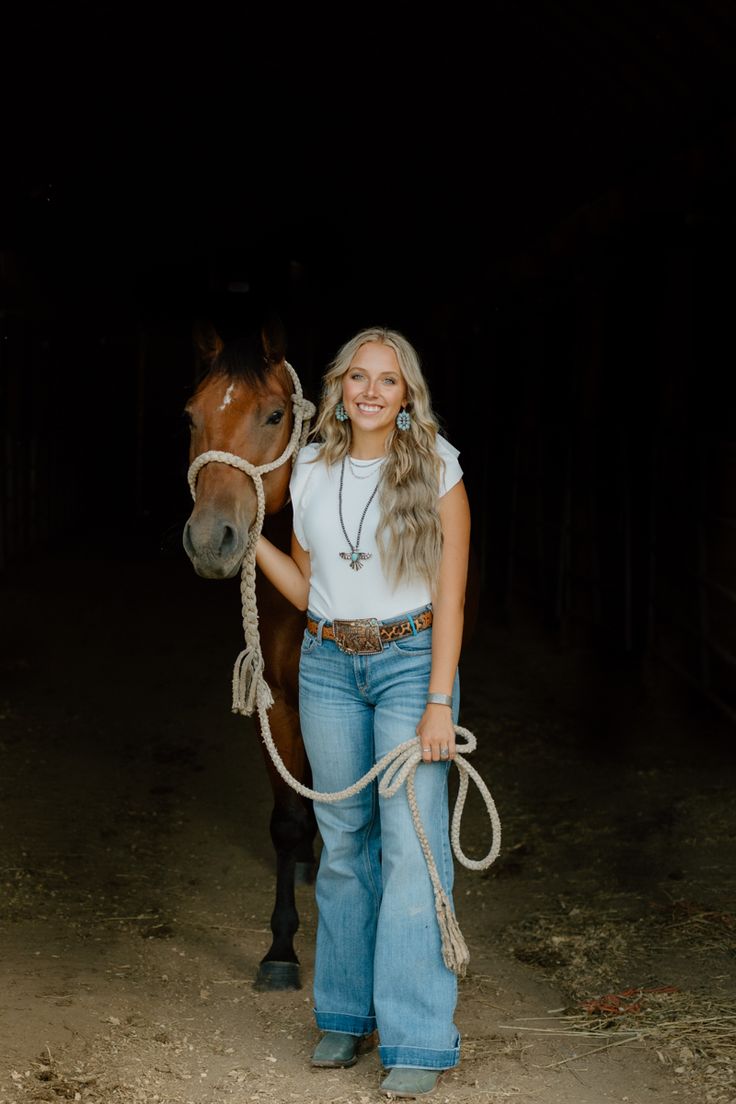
pixel 188 419
pixel 275 418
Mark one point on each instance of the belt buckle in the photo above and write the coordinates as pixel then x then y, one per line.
pixel 359 637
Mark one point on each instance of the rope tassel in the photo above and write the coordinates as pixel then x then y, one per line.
pixel 454 948
pixel 248 680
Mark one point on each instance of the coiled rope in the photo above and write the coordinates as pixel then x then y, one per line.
pixel 251 693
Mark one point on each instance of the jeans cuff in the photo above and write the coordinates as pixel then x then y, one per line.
pixel 345 1023
pixel 419 1057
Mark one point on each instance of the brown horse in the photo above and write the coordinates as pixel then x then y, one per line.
pixel 243 406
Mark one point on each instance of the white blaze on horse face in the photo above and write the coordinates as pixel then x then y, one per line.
pixel 228 397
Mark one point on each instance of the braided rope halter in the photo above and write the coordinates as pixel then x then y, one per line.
pixel 251 693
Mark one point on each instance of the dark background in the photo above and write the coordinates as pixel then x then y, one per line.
pixel 540 196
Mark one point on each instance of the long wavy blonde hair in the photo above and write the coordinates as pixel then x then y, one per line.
pixel 409 534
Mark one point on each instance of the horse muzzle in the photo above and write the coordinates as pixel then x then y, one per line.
pixel 215 550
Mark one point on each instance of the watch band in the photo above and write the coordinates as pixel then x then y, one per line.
pixel 439 699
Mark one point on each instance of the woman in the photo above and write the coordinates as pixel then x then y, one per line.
pixel 379 560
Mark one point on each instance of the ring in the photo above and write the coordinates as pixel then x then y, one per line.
pixel 444 752
pixel 426 750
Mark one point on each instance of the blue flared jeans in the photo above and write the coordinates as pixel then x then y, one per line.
pixel 378 957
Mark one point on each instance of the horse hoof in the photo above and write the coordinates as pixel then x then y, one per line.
pixel 304 873
pixel 276 976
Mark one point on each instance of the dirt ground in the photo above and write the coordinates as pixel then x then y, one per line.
pixel 138 876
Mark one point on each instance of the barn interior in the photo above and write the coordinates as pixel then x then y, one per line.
pixel 543 202
pixel 546 209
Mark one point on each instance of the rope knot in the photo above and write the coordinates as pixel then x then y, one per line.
pixel 304 407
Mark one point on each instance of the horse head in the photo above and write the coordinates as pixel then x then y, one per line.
pixel 243 406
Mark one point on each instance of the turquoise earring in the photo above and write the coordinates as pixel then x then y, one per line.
pixel 340 412
pixel 403 419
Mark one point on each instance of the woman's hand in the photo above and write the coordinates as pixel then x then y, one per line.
pixel 436 732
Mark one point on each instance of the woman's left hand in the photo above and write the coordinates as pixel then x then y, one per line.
pixel 436 733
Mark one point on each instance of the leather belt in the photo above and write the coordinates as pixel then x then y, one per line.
pixel 367 635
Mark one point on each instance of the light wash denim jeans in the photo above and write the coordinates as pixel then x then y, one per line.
pixel 378 954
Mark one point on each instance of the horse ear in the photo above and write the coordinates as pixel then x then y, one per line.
pixel 273 336
pixel 208 341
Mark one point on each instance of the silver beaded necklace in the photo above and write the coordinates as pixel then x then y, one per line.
pixel 355 557
pixel 370 465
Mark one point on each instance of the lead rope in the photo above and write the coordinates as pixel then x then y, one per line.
pixel 252 693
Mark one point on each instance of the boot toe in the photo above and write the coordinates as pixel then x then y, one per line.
pixel 335 1050
pixel 407 1082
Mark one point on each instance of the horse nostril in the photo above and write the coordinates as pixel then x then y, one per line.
pixel 229 541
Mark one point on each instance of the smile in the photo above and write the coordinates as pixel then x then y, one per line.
pixel 368 408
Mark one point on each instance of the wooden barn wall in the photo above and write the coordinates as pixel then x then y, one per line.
pixel 29 506
pixel 67 410
pixel 609 426
pixel 94 443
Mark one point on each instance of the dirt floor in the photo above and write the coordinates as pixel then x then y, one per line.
pixel 138 877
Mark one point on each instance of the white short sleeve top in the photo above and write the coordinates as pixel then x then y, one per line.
pixel 336 590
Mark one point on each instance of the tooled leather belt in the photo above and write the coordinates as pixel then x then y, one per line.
pixel 364 636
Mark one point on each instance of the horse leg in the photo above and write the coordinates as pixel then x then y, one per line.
pixel 293 828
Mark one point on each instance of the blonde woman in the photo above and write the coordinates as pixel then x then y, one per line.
pixel 379 561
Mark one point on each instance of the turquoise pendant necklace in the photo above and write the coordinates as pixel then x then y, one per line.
pixel 355 557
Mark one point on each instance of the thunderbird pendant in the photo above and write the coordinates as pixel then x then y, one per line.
pixel 355 558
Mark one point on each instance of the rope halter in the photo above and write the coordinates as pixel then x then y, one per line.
pixel 251 693
pixel 248 669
